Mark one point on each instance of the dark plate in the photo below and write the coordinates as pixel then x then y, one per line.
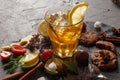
pixel 114 75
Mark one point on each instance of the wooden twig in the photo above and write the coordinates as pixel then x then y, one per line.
pixel 14 76
pixel 32 71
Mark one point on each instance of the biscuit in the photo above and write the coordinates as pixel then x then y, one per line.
pixel 88 38
pixel 105 60
pixel 106 45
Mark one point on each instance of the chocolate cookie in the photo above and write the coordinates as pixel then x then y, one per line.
pixel 88 38
pixel 104 59
pixel 106 45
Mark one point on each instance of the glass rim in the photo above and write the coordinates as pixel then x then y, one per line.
pixel 45 17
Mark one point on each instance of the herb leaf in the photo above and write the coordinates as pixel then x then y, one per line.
pixel 71 66
pixel 13 64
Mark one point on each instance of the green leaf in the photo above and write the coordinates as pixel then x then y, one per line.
pixel 71 66
pixel 19 57
pixel 8 65
pixel 13 64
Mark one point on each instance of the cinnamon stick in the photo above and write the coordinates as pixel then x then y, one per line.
pixel 116 31
pixel 32 71
pixel 113 39
pixel 13 76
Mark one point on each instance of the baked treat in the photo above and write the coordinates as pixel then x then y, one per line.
pixel 104 59
pixel 106 45
pixel 88 38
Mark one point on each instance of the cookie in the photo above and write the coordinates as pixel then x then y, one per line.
pixel 106 45
pixel 88 38
pixel 105 60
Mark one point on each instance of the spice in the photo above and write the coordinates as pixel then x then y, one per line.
pixel 117 2
pixel 32 71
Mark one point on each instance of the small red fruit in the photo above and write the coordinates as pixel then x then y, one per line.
pixel 5 55
pixel 46 54
pixel 18 49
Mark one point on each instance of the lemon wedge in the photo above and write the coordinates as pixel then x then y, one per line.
pixel 42 28
pixel 76 14
pixel 31 59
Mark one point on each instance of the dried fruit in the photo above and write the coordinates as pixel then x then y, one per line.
pixel 5 55
pixel 18 49
pixel 81 58
pixel 84 27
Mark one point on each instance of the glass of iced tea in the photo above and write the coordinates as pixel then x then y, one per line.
pixel 62 32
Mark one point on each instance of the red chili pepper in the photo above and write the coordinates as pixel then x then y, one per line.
pixel 18 49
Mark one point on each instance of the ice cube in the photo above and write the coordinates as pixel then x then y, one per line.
pixel 63 23
pixel 52 66
pixel 60 19
pixel 41 78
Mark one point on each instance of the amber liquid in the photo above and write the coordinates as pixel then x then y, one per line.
pixel 65 39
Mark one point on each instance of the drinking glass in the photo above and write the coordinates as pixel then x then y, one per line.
pixel 63 35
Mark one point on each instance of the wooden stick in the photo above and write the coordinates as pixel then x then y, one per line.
pixel 32 71
pixel 13 76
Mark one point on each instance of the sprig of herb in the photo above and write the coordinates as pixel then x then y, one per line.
pixel 71 66
pixel 13 64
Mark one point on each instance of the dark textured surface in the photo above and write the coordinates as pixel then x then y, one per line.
pixel 19 18
pixel 114 75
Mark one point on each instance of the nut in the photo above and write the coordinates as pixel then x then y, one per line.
pixel 6 48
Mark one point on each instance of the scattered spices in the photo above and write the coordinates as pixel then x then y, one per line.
pixel 32 71
pixel 117 2
pixel 34 42
pixel 116 31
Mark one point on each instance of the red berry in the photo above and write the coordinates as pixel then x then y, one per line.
pixel 18 49
pixel 46 54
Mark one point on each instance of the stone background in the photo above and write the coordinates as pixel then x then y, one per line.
pixel 19 18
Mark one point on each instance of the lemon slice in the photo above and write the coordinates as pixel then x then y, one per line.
pixel 42 28
pixel 76 14
pixel 31 59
